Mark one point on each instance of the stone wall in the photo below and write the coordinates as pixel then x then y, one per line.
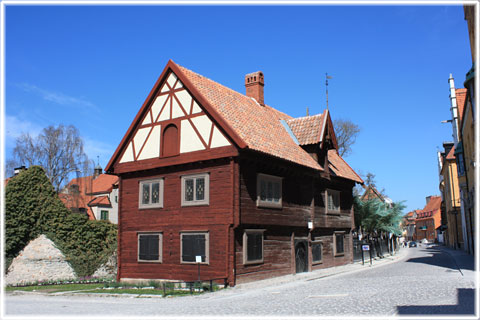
pixel 40 260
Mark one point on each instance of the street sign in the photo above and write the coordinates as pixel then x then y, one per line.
pixel 198 259
pixel 365 247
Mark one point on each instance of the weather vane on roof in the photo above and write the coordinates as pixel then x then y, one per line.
pixel 326 84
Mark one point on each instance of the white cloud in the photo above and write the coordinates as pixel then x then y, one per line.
pixel 57 97
pixel 94 148
pixel 14 127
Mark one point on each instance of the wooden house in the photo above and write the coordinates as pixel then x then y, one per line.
pixel 217 181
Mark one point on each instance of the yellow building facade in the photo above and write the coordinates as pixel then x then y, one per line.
pixel 451 197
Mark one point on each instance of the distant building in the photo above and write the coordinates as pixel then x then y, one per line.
pixel 450 190
pixel 409 225
pixel 96 196
pixel 428 220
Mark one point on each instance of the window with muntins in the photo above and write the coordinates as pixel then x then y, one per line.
pixel 253 246
pixel 103 215
pixel 195 189
pixel 333 200
pixel 194 244
pixel 151 194
pixel 149 247
pixel 339 243
pixel 317 251
pixel 269 191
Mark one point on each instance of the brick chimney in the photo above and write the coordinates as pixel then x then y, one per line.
pixel 254 86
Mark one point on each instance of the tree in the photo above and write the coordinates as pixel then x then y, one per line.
pixel 58 150
pixel 346 133
pixel 374 216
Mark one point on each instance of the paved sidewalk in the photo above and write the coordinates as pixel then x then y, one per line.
pixel 327 272
pixel 307 276
pixel 465 262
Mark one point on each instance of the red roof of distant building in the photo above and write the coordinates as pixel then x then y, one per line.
pixel 79 192
pixel 461 95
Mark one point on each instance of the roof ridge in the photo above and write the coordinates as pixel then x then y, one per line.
pixel 305 117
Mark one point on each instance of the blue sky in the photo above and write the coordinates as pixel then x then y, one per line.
pixel 93 67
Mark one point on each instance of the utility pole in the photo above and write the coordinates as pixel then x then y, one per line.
pixel 326 85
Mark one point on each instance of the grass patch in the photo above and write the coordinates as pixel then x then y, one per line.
pixel 57 287
pixel 142 291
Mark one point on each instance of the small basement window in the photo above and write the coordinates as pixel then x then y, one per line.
pixel 269 191
pixel 317 249
pixel 338 243
pixel 253 246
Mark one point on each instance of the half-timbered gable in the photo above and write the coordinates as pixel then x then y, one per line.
pixel 213 177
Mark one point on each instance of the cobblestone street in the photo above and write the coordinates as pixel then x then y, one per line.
pixel 423 281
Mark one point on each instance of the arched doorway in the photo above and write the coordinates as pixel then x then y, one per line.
pixel 170 141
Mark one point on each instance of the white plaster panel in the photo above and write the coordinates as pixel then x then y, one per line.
pixel 204 126
pixel 152 145
pixel 157 105
pixel 164 88
pixel 176 110
pixel 189 140
pixel 218 140
pixel 165 115
pixel 139 138
pixel 128 155
pixel 179 85
pixel 148 119
pixel 196 108
pixel 185 99
pixel 171 79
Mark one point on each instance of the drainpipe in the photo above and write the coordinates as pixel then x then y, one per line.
pixel 454 110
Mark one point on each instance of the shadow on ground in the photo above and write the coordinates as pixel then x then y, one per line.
pixel 465 305
pixel 444 259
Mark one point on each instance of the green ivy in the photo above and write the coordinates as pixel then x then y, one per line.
pixel 32 208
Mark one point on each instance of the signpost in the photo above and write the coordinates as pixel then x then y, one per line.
pixel 198 260
pixel 366 247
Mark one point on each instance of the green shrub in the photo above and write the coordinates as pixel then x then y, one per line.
pixel 32 208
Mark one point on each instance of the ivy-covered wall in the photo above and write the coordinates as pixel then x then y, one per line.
pixel 32 207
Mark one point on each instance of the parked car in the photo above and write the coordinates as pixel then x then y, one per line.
pixel 412 244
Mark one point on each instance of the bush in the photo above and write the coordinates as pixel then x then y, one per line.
pixel 32 208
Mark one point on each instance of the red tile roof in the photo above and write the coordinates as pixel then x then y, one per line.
pixel 434 204
pixel 308 130
pixel 100 201
pixel 461 95
pixel 340 168
pixel 104 183
pixel 451 154
pixel 258 126
pixel 248 124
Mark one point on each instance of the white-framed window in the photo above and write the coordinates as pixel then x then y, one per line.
pixel 317 251
pixel 195 189
pixel 253 246
pixel 194 244
pixel 339 243
pixel 151 194
pixel 150 246
pixel 269 191
pixel 332 200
